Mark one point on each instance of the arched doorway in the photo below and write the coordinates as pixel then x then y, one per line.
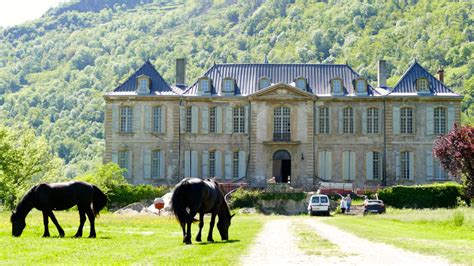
pixel 282 166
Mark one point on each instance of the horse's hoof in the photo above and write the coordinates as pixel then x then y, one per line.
pixel 77 236
pixel 210 240
pixel 45 235
pixel 188 243
pixel 92 236
pixel 61 235
pixel 198 239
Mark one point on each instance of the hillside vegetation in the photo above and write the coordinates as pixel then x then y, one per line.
pixel 54 70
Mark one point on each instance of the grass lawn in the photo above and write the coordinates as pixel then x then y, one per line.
pixel 123 240
pixel 441 232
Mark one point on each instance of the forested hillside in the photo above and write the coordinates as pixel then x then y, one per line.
pixel 53 71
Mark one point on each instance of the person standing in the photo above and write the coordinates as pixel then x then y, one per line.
pixel 343 205
pixel 348 203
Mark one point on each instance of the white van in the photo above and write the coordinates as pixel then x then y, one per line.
pixel 318 204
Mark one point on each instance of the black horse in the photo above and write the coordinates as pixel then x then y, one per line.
pixel 60 196
pixel 192 196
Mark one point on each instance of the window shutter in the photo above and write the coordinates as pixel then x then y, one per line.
pixel 412 165
pixel 369 165
pixel 242 163
pixel 187 163
pixel 218 119
pixel 396 120
pixel 330 120
pixel 115 157
pixel 429 165
pixel 194 163
pixel 182 119
pixel 397 164
pixel 450 118
pixel 115 118
pixel 163 119
pixel 146 163
pixel 228 120
pixel 162 164
pixel 352 170
pixel 148 115
pixel 429 120
pixel 364 121
pixel 321 164
pixel 316 120
pixel 218 164
pixel 228 165
pixel 130 164
pixel 246 122
pixel 340 121
pixel 194 119
pixel 345 165
pixel 381 119
pixel 136 118
pixel 205 120
pixel 205 162
pixel 328 164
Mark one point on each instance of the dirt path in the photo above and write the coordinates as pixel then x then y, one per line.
pixel 275 246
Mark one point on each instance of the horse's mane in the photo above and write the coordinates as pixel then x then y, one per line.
pixel 26 204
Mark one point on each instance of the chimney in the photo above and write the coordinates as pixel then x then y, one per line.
pixel 381 74
pixel 180 72
pixel 441 75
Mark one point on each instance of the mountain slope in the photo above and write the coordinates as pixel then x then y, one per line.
pixel 53 71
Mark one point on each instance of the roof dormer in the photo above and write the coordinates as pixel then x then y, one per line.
pixel 301 83
pixel 422 85
pixel 263 83
pixel 360 86
pixel 337 86
pixel 228 86
pixel 143 85
pixel 204 86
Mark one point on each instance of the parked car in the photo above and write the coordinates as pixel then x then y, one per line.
pixel 374 206
pixel 318 204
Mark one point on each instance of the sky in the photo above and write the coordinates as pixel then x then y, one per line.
pixel 14 12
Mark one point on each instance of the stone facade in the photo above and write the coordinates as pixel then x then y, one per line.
pixel 279 130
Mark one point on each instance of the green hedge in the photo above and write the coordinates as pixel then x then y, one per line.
pixel 124 194
pixel 244 198
pixel 443 195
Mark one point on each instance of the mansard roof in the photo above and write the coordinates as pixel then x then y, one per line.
pixel 158 85
pixel 407 83
pixel 247 76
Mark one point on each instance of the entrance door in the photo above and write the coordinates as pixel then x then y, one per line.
pixel 282 166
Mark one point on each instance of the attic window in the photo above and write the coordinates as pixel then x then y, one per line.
pixel 228 85
pixel 361 86
pixel 143 84
pixel 422 85
pixel 204 86
pixel 336 86
pixel 263 83
pixel 301 83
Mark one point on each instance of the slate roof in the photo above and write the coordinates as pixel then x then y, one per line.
pixel 246 77
pixel 158 85
pixel 407 83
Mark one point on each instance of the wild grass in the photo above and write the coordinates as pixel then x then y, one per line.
pixel 123 240
pixel 442 232
pixel 313 244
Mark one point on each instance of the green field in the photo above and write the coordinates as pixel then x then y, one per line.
pixel 123 240
pixel 442 232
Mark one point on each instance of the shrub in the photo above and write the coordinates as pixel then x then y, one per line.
pixel 243 198
pixel 442 195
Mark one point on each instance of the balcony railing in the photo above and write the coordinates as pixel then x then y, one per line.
pixel 277 136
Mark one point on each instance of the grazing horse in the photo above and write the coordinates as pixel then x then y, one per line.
pixel 194 195
pixel 60 196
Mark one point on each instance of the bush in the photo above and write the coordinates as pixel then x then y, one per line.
pixel 444 195
pixel 244 198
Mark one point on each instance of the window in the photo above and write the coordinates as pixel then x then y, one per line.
pixel 239 119
pixel 157 119
pixel 281 124
pixel 361 87
pixel 422 85
pixel 263 83
pixel 126 114
pixel 324 120
pixel 212 164
pixel 406 120
pixel 212 120
pixel 336 86
pixel 440 120
pixel 235 164
pixel 155 164
pixel 439 172
pixel 123 162
pixel 405 165
pixel 204 86
pixel 228 85
pixel 143 85
pixel 189 117
pixel 348 165
pixel 301 83
pixel 375 165
pixel 372 121
pixel 348 120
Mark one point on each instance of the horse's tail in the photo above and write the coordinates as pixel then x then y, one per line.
pixel 99 199
pixel 181 192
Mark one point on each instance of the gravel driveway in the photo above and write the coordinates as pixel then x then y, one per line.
pixel 275 246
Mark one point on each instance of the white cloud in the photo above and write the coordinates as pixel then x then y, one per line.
pixel 18 11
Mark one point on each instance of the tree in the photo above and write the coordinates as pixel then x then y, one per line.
pixel 455 152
